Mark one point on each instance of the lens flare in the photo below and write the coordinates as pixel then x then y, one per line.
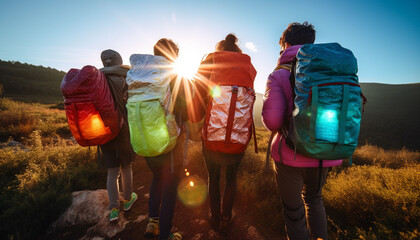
pixel 192 191
pixel 216 92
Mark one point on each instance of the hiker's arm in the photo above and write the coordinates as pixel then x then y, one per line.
pixel 274 104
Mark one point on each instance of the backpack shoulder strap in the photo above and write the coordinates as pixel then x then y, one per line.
pixel 283 66
pixel 287 125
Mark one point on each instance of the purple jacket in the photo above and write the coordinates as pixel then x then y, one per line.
pixel 278 101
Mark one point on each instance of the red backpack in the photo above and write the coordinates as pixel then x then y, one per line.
pixel 228 125
pixel 91 113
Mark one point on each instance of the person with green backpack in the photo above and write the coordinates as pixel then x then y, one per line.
pixel 156 108
pixel 312 104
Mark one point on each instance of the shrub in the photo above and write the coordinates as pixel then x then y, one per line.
pixel 37 185
pixel 15 118
pixel 18 119
pixel 374 202
pixel 376 156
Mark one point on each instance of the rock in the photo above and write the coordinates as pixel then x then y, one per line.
pixel 89 208
pixel 140 218
pixel 14 145
pixel 213 234
pixel 253 234
pixel 197 236
pixel 202 222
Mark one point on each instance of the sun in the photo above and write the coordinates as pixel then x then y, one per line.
pixel 187 64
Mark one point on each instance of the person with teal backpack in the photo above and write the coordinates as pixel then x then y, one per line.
pixel 156 108
pixel 313 106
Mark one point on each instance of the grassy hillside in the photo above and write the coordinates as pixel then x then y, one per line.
pixel 29 83
pixel 391 119
pixel 378 196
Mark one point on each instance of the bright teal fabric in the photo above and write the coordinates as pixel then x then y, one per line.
pixel 327 122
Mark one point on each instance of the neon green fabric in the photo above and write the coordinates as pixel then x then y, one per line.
pixel 149 133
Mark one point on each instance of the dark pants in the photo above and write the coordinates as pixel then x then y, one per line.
pixel 163 191
pixel 299 190
pixel 214 163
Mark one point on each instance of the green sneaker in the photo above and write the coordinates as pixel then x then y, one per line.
pixel 113 215
pixel 128 204
pixel 152 228
pixel 175 236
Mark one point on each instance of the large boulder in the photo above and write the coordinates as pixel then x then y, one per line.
pixel 88 215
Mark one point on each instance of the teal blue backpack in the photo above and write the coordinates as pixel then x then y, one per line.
pixel 325 122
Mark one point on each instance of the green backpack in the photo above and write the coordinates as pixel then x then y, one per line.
pixel 325 122
pixel 153 128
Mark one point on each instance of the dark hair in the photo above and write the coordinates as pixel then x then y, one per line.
pixel 229 44
pixel 297 34
pixel 166 48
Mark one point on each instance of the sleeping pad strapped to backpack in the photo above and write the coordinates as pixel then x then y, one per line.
pixel 91 113
pixel 153 128
pixel 326 119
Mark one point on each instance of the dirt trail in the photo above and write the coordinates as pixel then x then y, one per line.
pixel 191 221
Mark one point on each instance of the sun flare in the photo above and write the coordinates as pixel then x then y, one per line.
pixel 187 65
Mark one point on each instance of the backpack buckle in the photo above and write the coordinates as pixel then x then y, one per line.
pixel 235 89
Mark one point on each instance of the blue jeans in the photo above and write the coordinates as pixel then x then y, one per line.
pixel 166 170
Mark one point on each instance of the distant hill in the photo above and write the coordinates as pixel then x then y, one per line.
pixel 29 83
pixel 391 119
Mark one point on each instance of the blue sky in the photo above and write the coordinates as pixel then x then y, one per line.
pixel 383 35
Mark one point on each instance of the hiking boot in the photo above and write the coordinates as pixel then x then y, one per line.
pixel 226 222
pixel 175 236
pixel 128 204
pixel 152 228
pixel 113 215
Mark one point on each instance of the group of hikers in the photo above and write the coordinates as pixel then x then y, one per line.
pixel 220 100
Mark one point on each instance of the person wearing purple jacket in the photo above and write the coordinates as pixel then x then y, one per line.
pixel 297 175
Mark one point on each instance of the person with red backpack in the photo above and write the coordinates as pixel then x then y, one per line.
pixel 118 154
pixel 224 97
pixel 299 178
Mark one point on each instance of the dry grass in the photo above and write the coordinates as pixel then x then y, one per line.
pixel 376 198
pixel 376 156
pixel 374 202
pixel 18 119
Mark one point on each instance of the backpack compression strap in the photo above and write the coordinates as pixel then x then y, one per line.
pixel 255 136
pixel 76 120
pixel 231 116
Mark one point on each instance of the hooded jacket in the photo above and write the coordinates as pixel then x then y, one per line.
pixel 277 102
pixel 115 74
